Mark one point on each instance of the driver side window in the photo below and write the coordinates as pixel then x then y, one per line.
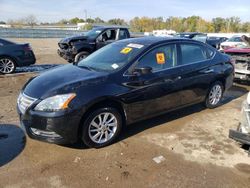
pixel 160 58
pixel 108 35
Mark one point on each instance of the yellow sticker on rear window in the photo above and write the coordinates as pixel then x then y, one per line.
pixel 126 50
pixel 160 58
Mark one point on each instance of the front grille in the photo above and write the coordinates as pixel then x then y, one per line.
pixel 24 102
pixel 241 65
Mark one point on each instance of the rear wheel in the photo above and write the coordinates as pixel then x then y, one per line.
pixel 7 65
pixel 101 127
pixel 214 95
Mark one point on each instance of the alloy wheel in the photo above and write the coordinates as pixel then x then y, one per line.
pixel 7 66
pixel 103 127
pixel 215 94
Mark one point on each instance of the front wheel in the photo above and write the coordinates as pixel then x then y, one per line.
pixel 101 127
pixel 214 95
pixel 80 56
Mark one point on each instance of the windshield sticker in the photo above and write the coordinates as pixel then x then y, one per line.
pixel 98 31
pixel 126 50
pixel 139 46
pixel 160 58
pixel 115 66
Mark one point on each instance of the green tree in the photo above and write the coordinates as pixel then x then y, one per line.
pixel 99 20
pixel 117 21
pixel 219 24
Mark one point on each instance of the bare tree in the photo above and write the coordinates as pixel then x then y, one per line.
pixel 30 20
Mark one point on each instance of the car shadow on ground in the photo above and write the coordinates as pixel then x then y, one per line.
pixel 12 142
pixel 235 92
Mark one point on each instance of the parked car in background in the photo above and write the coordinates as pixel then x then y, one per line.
pixel 122 83
pixel 212 41
pixel 216 41
pixel 242 133
pixel 232 42
pixel 14 55
pixel 241 57
pixel 75 48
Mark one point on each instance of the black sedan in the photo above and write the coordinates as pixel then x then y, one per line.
pixel 14 55
pixel 122 83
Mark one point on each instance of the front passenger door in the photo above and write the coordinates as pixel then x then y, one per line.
pixel 156 92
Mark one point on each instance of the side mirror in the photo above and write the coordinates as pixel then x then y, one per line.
pixel 143 70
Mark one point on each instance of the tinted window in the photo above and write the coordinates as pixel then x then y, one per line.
pixel 123 34
pixel 191 53
pixel 159 58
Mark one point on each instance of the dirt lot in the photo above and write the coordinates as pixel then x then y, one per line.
pixel 194 144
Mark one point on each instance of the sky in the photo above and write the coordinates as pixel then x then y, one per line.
pixel 55 10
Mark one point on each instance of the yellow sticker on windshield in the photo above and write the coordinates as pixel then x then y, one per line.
pixel 126 50
pixel 160 58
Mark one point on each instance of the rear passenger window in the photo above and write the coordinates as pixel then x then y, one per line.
pixel 159 58
pixel 191 53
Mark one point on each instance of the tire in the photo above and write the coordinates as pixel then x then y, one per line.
pixel 7 65
pixel 214 95
pixel 97 134
pixel 80 56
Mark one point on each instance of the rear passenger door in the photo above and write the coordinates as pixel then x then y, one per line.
pixel 196 71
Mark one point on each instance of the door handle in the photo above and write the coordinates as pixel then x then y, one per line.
pixel 208 71
pixel 177 78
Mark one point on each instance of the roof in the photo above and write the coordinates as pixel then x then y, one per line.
pixel 152 40
pixel 110 26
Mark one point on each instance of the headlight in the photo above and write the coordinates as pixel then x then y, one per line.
pixel 55 103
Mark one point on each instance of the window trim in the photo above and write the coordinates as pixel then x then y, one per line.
pixel 177 43
pixel 202 46
pixel 145 53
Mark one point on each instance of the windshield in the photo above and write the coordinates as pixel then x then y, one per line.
pixel 112 57
pixel 235 39
pixel 93 33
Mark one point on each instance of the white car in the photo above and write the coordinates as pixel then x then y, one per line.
pixel 232 42
pixel 242 133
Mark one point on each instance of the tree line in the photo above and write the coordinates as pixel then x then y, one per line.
pixel 147 24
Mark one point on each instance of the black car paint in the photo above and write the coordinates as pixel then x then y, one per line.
pixel 136 97
pixel 71 46
pixel 20 53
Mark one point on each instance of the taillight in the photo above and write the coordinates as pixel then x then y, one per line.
pixel 27 48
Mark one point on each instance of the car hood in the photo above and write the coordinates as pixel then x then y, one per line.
pixel 73 38
pixel 63 79
pixel 230 43
pixel 237 50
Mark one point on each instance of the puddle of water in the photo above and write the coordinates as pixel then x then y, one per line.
pixel 35 68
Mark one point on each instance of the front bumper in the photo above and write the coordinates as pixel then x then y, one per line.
pixel 53 128
pixel 242 134
pixel 242 75
pixel 68 55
